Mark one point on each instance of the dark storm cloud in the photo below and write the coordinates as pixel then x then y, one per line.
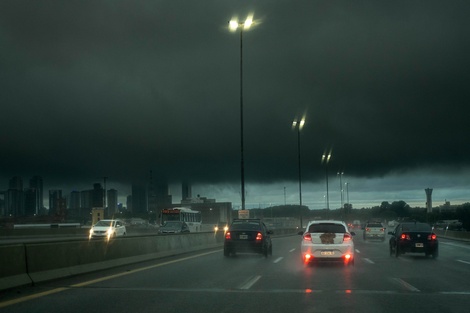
pixel 118 88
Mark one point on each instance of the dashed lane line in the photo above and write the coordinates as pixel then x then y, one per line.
pixel 247 285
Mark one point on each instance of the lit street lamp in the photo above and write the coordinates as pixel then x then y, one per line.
pixel 233 26
pixel 325 158
pixel 299 125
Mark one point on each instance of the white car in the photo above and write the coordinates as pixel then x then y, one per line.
pixel 374 230
pixel 108 229
pixel 327 240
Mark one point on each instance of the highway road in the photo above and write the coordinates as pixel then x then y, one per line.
pixel 208 282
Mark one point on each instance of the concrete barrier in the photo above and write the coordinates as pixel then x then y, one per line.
pixel 13 267
pixel 30 263
pixel 458 235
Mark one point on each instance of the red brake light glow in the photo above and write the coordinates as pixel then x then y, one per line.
pixel 227 236
pixel 347 237
pixel 432 237
pixel 259 236
pixel 307 237
pixel 405 237
pixel 308 257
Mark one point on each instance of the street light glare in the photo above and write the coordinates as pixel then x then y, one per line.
pixel 233 25
pixel 248 22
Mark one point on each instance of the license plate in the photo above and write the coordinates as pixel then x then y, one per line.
pixel 419 245
pixel 327 253
pixel 243 236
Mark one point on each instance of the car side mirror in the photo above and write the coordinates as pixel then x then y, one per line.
pixel 353 233
pixel 391 233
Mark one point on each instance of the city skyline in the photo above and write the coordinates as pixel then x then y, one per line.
pixel 118 89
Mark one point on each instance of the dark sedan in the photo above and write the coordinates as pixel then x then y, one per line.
pixel 413 237
pixel 248 235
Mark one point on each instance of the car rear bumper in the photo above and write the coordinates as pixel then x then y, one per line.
pixel 241 246
pixel 411 248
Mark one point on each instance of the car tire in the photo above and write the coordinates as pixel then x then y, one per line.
pixel 270 250
pixel 397 251
pixel 435 254
pixel 390 249
pixel 226 252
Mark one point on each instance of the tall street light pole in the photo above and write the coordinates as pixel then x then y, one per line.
pixel 340 174
pixel 325 159
pixel 233 26
pixel 299 125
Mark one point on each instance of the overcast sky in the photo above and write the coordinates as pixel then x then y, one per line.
pixel 121 88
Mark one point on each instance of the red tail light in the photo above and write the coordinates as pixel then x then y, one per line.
pixel 228 236
pixel 367 229
pixel 259 236
pixel 405 237
pixel 382 229
pixel 432 237
pixel 307 237
pixel 347 237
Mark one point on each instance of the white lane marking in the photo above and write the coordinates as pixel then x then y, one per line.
pixel 462 261
pixel 406 285
pixel 358 251
pixel 278 259
pixel 250 283
pixel 292 250
pixel 369 261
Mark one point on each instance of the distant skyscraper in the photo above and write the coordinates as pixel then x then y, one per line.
pixel 36 183
pixel 14 202
pixel 98 192
pixel 139 199
pixel 14 198
pixel 164 199
pixel 30 202
pixel 112 202
pixel 428 200
pixel 74 204
pixel 186 191
pixel 54 201
pixel 86 200
pixel 152 195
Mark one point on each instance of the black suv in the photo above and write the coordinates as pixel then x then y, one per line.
pixel 413 237
pixel 248 235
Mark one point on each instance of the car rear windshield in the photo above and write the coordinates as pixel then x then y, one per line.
pixel 245 226
pixel 374 225
pixel 326 228
pixel 416 227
